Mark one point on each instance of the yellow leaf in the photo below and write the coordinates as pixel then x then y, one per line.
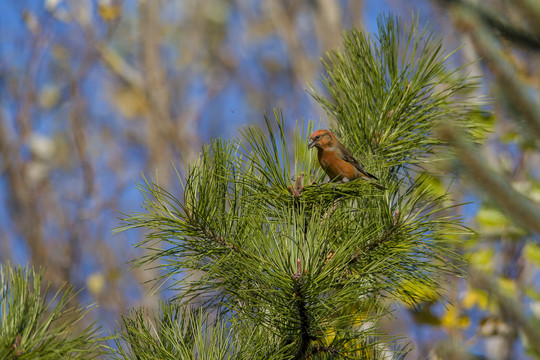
pixel 489 216
pixel 507 286
pixel 453 320
pixel 95 283
pixel 482 259
pixel 493 222
pixel 109 12
pixel 510 136
pixel 360 319
pixel 531 252
pixel 49 97
pixel 482 124
pixel 412 292
pixel 328 337
pixel 434 184
pixel 531 292
pixel 534 192
pixel 130 102
pixel 475 297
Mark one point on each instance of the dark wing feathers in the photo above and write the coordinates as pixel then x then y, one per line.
pixel 347 156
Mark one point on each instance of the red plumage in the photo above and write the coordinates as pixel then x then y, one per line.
pixel 336 161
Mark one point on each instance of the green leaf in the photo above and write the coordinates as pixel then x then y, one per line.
pixel 531 252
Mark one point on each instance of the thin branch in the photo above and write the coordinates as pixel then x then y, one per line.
pixel 518 206
pixel 490 49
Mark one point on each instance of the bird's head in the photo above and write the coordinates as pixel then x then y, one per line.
pixel 321 139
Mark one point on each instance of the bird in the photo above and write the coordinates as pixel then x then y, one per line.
pixel 336 161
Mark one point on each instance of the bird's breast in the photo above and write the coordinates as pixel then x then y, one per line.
pixel 323 161
pixel 330 164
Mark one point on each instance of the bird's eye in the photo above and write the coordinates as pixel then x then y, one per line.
pixel 317 137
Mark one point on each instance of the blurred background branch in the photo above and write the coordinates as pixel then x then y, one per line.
pixel 518 206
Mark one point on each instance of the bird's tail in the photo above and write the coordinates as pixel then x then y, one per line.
pixel 368 175
pixel 378 186
pixel 372 179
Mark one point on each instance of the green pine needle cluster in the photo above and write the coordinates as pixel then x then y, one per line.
pixel 179 332
pixel 30 328
pixel 389 91
pixel 293 266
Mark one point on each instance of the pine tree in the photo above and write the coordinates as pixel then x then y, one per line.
pixel 267 261
pixel 33 328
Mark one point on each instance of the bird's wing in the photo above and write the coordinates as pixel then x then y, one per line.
pixel 347 156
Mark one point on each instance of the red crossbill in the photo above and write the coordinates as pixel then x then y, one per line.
pixel 336 161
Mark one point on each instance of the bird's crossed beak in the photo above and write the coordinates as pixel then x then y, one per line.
pixel 310 144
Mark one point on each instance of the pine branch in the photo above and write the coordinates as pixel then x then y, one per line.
pixel 308 262
pixel 180 332
pixel 389 91
pixel 32 329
